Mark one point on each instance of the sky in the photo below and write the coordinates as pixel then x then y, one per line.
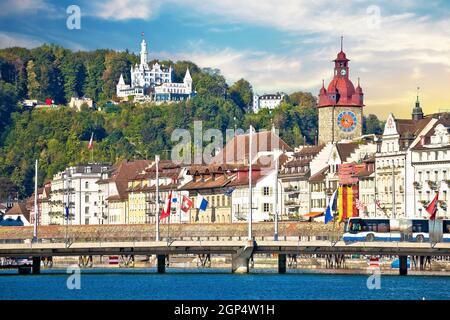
pixel 278 45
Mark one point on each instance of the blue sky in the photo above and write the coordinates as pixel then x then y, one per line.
pixel 282 45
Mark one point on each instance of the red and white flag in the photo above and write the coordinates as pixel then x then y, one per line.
pixel 377 203
pixel 186 204
pixel 166 211
pixel 91 142
pixel 432 207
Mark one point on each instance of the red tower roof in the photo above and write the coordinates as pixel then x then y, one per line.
pixel 341 90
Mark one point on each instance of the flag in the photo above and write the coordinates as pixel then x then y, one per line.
pixel 346 202
pixel 91 142
pixel 432 207
pixel 166 212
pixel 67 212
pixel 48 101
pixel 186 204
pixel 331 206
pixel 229 191
pixel 202 203
pixel 377 203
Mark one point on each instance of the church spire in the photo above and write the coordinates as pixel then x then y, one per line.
pixel 417 113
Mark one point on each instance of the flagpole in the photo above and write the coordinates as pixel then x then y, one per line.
pixel 36 209
pixel 157 197
pixel 275 235
pixel 250 215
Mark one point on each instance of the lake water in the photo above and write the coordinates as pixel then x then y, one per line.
pixel 212 284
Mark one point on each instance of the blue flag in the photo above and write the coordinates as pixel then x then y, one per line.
pixel 331 206
pixel 202 203
pixel 229 191
pixel 67 212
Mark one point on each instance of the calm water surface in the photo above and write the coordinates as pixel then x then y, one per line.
pixel 216 284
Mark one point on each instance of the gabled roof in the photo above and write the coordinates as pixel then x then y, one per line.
pixel 319 176
pixel 237 150
pixel 443 121
pixel 346 149
pixel 19 209
pixel 309 150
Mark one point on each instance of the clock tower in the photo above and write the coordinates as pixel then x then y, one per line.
pixel 340 106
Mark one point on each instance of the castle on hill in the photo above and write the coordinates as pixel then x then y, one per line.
pixel 155 83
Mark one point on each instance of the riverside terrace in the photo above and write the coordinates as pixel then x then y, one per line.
pixel 295 239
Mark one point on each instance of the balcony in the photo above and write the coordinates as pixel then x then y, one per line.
pixel 291 189
pixel 292 203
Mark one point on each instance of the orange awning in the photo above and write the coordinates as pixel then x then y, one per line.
pixel 313 214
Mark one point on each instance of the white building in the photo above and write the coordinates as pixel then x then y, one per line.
pixel 76 103
pixel 157 82
pixel 430 160
pixel 77 186
pixel 268 101
pixel 393 171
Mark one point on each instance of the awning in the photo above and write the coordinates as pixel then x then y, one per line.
pixel 313 214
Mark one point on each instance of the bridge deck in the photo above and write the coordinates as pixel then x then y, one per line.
pixel 222 247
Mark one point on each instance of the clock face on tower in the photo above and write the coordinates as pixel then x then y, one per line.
pixel 346 121
pixel 343 72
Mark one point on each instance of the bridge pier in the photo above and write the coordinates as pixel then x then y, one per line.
pixel 282 263
pixel 36 265
pixel 403 265
pixel 240 259
pixel 161 263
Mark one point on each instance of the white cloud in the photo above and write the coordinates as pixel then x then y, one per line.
pixel 18 40
pixel 126 9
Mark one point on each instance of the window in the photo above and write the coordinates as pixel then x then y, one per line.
pixel 86 198
pixel 266 192
pixel 86 210
pixel 86 184
pixel 266 207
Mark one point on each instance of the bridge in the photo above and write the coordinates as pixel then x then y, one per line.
pixel 241 251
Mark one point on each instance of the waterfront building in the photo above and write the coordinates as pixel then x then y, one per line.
pixel 267 101
pixel 430 161
pixel 294 176
pixel 20 212
pixel 212 183
pixel 113 195
pixel 142 192
pixel 155 83
pixel 77 186
pixel 393 171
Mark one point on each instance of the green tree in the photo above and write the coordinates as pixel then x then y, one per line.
pixel 241 92
pixel 372 125
pixel 33 84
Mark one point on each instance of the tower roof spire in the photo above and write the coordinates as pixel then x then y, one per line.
pixel 342 43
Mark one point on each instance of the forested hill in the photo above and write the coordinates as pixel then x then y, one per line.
pixel 58 137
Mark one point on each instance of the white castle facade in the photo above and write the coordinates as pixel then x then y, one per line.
pixel 155 83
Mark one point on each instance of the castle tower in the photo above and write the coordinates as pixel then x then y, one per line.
pixel 340 106
pixel 188 80
pixel 143 52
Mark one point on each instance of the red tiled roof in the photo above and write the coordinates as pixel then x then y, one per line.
pixel 237 150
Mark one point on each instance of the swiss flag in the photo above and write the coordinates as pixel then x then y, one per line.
pixel 166 212
pixel 186 204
